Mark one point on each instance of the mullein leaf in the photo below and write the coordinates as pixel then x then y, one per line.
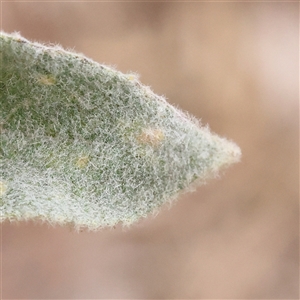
pixel 84 144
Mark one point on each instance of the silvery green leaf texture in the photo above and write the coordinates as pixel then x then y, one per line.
pixel 83 144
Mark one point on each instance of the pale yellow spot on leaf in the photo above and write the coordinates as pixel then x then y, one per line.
pixel 151 136
pixel 82 161
pixel 47 79
pixel 3 188
pixel 131 77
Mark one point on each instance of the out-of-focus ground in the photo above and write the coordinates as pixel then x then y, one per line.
pixel 235 66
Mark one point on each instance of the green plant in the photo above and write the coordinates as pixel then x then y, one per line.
pixel 82 143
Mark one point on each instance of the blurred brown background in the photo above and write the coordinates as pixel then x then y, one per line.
pixel 235 66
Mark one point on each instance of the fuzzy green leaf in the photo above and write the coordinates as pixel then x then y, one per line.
pixel 84 144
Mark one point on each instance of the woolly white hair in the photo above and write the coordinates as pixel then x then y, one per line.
pixel 84 144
